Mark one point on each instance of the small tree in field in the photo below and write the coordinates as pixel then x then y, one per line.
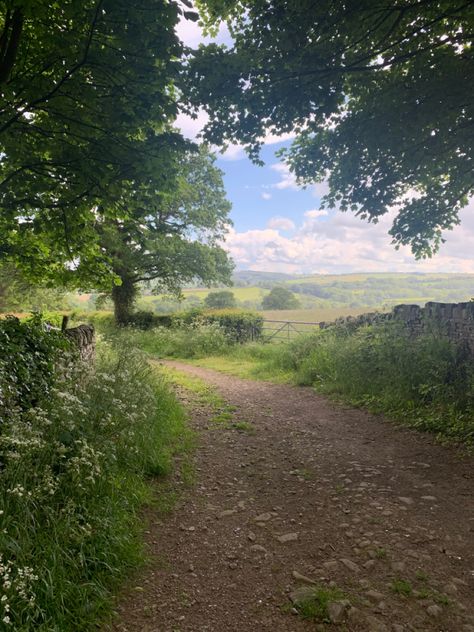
pixel 221 299
pixel 280 298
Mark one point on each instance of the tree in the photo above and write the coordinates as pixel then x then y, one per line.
pixel 172 240
pixel 380 94
pixel 280 298
pixel 86 112
pixel 18 294
pixel 221 299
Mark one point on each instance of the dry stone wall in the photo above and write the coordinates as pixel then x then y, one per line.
pixel 83 337
pixel 452 320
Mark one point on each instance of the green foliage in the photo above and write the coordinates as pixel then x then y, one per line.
pixel 29 355
pixel 315 606
pixel 220 299
pixel 173 239
pixel 147 320
pixel 402 587
pixel 280 298
pixel 88 103
pixel 18 294
pixel 380 99
pixel 239 326
pixel 72 482
pixel 188 340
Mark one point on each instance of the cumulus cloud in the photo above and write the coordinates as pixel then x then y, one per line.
pixel 344 243
pixel 266 196
pixel 287 179
pixel 313 214
pixel 281 223
pixel 191 127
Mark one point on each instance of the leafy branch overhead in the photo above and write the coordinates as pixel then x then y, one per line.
pixel 380 94
pixel 86 118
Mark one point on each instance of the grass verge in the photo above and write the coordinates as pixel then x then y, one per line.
pixel 75 475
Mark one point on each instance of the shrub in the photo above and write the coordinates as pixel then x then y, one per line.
pixel 425 380
pixel 220 300
pixel 72 480
pixel 240 326
pixel 148 320
pixel 185 340
pixel 29 354
pixel 280 298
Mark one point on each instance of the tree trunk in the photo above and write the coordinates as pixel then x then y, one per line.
pixel 123 297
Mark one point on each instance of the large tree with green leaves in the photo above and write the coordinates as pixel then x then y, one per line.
pixel 380 93
pixel 172 239
pixel 86 112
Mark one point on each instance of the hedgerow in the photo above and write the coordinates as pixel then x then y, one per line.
pixel 28 357
pixel 72 480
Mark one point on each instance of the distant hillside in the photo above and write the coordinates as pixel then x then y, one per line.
pixel 261 279
pixel 385 289
pixel 347 293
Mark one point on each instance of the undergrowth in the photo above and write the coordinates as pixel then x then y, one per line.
pixel 73 478
pixel 425 381
pixel 190 340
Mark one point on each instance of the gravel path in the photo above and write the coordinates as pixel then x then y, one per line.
pixel 333 494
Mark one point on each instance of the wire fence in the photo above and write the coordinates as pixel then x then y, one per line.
pixel 285 330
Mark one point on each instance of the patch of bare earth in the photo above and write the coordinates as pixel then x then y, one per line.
pixel 330 493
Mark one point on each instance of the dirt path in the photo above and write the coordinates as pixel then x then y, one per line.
pixel 335 494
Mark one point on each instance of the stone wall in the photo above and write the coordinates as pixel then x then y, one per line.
pixel 83 337
pixel 452 320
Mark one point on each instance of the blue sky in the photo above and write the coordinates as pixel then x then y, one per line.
pixel 280 227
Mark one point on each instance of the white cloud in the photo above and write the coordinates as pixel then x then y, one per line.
pixel 233 152
pixel 190 127
pixel 313 214
pixel 344 243
pixel 320 189
pixel 272 139
pixel 190 33
pixel 266 196
pixel 287 179
pixel 281 223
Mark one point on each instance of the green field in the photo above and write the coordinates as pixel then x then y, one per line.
pixel 315 315
pixel 321 297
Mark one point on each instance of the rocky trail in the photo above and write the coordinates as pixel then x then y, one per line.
pixel 297 502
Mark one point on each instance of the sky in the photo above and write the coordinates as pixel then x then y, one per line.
pixel 280 227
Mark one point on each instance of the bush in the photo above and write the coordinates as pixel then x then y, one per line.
pixel 72 481
pixel 148 320
pixel 185 340
pixel 29 354
pixel 240 326
pixel 427 381
pixel 280 298
pixel 220 300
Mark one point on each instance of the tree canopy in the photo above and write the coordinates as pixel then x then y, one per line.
pixel 381 96
pixel 220 299
pixel 280 298
pixel 172 240
pixel 86 112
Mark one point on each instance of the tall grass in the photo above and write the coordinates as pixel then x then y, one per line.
pixel 72 479
pixel 189 340
pixel 425 381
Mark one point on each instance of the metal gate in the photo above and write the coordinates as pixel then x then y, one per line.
pixel 285 330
